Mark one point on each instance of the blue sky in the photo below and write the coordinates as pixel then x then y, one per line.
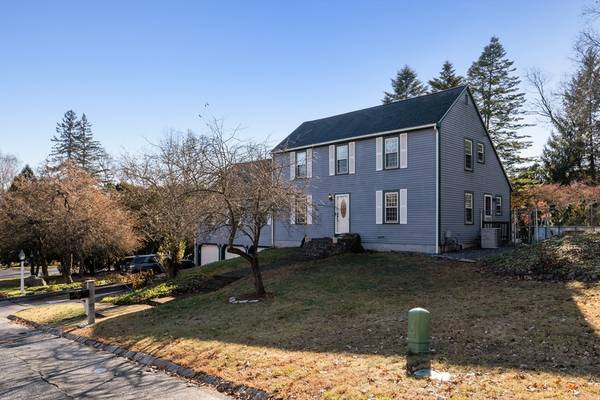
pixel 140 68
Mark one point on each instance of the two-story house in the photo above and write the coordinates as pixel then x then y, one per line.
pixel 413 175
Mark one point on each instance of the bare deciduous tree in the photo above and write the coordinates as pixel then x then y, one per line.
pixel 157 186
pixel 9 168
pixel 210 183
pixel 246 188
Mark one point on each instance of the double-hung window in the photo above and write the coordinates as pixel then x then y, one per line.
pixel 300 210
pixel 301 164
pixel 468 154
pixel 469 208
pixel 341 159
pixel 391 207
pixel 498 205
pixel 391 152
pixel 480 153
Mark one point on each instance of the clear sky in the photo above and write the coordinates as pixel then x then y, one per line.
pixel 140 68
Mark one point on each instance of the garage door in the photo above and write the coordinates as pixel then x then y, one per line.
pixel 229 255
pixel 209 253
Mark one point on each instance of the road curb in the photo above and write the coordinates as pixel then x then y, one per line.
pixel 222 385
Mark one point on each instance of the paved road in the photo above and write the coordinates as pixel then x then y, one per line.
pixel 16 272
pixel 35 365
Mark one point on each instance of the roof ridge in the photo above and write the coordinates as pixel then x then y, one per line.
pixel 387 104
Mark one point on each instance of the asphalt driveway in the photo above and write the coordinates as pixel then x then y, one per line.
pixel 36 365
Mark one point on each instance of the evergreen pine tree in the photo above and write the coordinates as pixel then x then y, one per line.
pixel 65 144
pixel 89 153
pixel 447 79
pixel 405 86
pixel 75 143
pixel 496 91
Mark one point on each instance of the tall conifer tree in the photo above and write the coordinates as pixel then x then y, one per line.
pixel 65 146
pixel 447 79
pixel 405 86
pixel 496 90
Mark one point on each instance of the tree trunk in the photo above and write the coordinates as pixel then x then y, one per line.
pixel 172 268
pixel 258 282
pixel 45 273
pixel 67 267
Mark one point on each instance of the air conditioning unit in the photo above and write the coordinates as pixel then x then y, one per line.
pixel 490 238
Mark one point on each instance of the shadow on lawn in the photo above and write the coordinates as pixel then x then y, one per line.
pixel 358 304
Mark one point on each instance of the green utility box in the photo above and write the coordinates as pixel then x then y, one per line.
pixel 419 331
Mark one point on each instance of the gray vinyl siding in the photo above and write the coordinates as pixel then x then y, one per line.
pixel 221 237
pixel 419 179
pixel 462 121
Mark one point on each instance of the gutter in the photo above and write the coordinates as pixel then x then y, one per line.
pixel 368 135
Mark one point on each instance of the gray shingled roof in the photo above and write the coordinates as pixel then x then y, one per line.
pixel 422 110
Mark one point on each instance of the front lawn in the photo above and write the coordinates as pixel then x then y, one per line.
pixel 195 279
pixel 336 329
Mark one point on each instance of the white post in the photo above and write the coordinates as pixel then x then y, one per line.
pixel 22 278
pixel 22 258
pixel 90 303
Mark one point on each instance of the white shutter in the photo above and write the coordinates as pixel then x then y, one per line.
pixel 379 154
pixel 403 206
pixel 379 207
pixel 270 219
pixel 331 159
pixel 403 150
pixel 309 209
pixel 309 153
pixel 351 158
pixel 292 165
pixel 292 212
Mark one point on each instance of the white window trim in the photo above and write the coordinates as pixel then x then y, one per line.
pixel 347 159
pixel 385 207
pixel 305 164
pixel 465 208
pixel 479 144
pixel 498 197
pixel 465 154
pixel 487 217
pixel 397 152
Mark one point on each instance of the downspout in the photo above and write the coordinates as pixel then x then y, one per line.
pixel 437 189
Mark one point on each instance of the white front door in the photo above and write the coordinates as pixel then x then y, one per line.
pixel 342 213
pixel 487 207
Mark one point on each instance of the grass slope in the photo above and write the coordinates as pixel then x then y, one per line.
pixel 193 280
pixel 335 329
pixel 573 256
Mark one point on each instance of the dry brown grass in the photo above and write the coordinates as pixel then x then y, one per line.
pixel 335 329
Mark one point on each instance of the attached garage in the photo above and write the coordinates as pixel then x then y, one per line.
pixel 209 253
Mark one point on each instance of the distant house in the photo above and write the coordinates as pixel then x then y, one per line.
pixel 414 175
